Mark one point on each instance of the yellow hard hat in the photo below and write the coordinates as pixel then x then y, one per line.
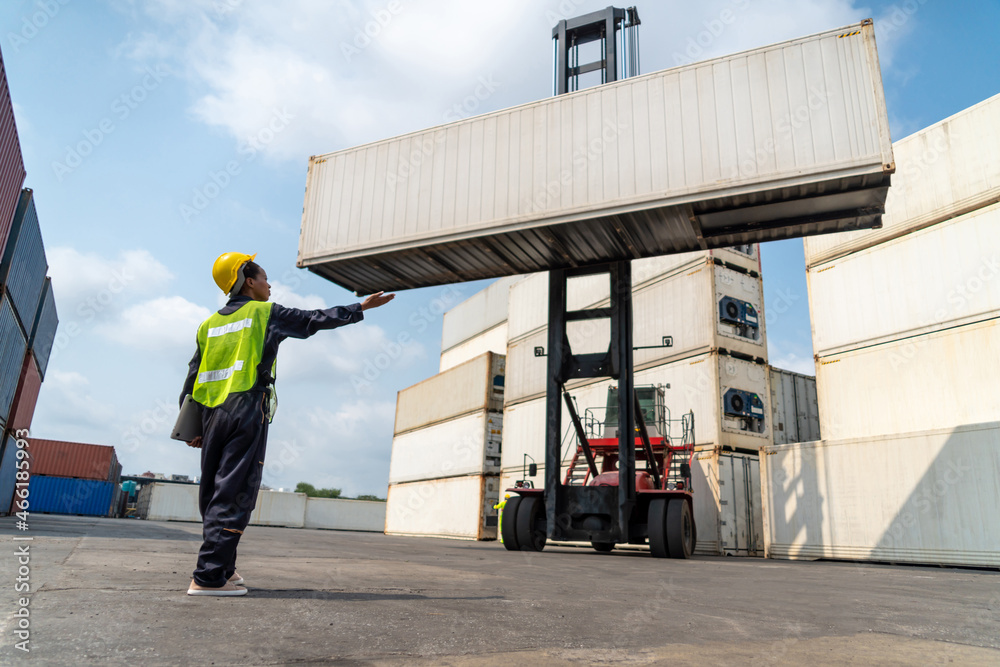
pixel 227 268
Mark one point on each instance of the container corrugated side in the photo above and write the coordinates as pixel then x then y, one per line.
pixel 928 280
pixel 46 325
pixel 71 459
pixel 12 350
pixel 456 507
pixel 481 312
pixel 11 161
pixel 684 306
pixel 63 495
pixel 942 171
pixel 169 502
pixel 794 407
pixel 8 472
pixel 468 445
pixel 24 264
pixel 494 340
pixel 813 155
pixel 924 497
pixel 342 514
pixel 939 380
pixel 470 387
pixel 22 409
pixel 276 508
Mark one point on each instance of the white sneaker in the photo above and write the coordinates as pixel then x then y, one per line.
pixel 228 590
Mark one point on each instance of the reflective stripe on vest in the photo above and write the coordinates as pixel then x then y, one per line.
pixel 231 349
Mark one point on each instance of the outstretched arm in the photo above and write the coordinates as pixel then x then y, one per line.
pixel 376 300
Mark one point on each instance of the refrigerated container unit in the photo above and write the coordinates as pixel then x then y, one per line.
pixel 475 386
pixel 943 171
pixel 929 280
pixel 23 267
pixel 13 348
pixel 11 161
pixel 72 459
pixel 923 497
pixel 938 380
pixel 794 407
pixel 476 318
pixel 480 203
pixel 455 507
pixel 343 514
pixel 693 306
pixel 64 495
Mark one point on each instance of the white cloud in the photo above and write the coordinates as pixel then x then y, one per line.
pixel 793 362
pixel 345 447
pixel 96 287
pixel 157 325
pixel 67 404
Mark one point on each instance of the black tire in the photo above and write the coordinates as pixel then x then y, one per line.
pixel 531 526
pixel 509 524
pixel 657 528
pixel 603 547
pixel 680 529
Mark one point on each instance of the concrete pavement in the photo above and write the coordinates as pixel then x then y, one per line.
pixel 111 591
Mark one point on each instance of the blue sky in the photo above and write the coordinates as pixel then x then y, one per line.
pixel 159 134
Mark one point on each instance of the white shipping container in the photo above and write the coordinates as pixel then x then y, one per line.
pixel 777 142
pixel 277 508
pixel 343 514
pixel 529 299
pixel 474 386
pixel 494 340
pixel 159 501
pixel 794 407
pixel 481 312
pixel 925 497
pixel 938 380
pixel 456 507
pixel 697 384
pixel 687 306
pixel 925 281
pixel 468 445
pixel 945 170
pixel 725 488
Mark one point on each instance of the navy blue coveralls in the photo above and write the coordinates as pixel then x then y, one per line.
pixel 235 437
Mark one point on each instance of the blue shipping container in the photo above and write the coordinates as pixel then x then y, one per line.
pixel 64 495
pixel 24 265
pixel 44 333
pixel 8 468
pixel 12 349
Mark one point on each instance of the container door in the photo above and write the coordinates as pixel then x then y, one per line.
pixel 741 523
pixel 491 496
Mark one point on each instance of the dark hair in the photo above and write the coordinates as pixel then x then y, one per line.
pixel 252 270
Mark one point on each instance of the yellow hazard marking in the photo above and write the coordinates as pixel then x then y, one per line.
pixel 849 34
pixel 825 363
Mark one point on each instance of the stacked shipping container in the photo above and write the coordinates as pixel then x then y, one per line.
pixel 906 329
pixel 73 478
pixel 446 452
pixel 28 317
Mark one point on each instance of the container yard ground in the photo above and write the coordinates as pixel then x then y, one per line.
pixel 111 591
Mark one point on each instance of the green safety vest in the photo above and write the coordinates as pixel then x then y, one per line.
pixel 231 349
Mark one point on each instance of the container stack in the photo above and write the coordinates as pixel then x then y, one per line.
pixel 710 303
pixel 446 451
pixel 477 325
pixel 74 478
pixel 906 330
pixel 28 317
